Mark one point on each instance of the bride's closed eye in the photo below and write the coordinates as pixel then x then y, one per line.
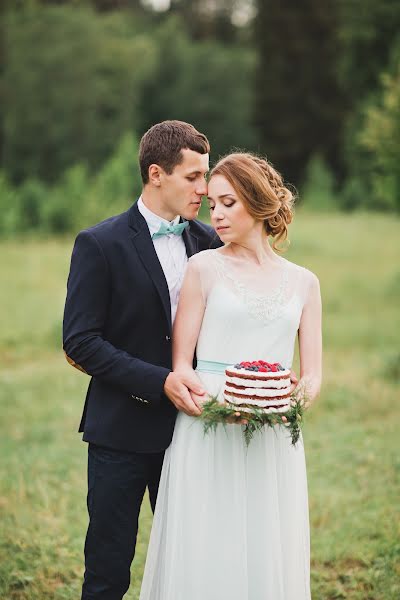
pixel 227 205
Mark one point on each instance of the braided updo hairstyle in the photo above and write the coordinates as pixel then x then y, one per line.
pixel 261 189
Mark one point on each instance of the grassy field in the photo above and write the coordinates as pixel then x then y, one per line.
pixel 351 434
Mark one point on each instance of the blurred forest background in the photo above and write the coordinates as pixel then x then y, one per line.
pixel 313 85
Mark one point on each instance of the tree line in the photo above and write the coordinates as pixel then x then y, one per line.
pixel 314 86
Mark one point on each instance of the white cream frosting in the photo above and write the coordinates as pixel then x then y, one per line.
pixel 260 393
pixel 258 383
pixel 261 403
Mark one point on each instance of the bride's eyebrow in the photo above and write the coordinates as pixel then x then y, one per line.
pixel 222 196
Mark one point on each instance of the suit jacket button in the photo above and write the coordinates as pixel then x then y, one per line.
pixel 168 338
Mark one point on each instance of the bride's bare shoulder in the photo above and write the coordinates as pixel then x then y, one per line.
pixel 204 257
pixel 301 271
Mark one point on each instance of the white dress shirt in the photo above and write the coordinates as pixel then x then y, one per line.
pixel 171 252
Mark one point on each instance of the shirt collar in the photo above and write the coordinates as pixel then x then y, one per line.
pixel 153 221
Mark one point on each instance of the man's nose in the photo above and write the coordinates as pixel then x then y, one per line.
pixel 201 189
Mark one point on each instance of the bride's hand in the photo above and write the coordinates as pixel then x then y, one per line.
pixel 200 399
pixel 294 380
pixel 237 420
pixel 301 390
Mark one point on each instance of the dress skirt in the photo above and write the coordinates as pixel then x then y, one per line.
pixel 231 521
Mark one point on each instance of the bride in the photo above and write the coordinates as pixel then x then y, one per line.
pixel 231 522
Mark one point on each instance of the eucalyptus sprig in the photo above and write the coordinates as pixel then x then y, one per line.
pixel 215 413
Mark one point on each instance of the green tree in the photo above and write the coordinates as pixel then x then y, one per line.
pixel 72 80
pixel 380 137
pixel 368 30
pixel 208 20
pixel 298 101
pixel 204 83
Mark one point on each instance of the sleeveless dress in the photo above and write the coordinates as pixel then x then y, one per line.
pixel 231 521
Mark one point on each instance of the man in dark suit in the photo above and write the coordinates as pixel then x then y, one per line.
pixel 123 289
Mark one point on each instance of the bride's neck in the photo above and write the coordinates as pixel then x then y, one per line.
pixel 255 250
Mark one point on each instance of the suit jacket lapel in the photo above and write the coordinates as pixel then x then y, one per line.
pixel 190 239
pixel 145 249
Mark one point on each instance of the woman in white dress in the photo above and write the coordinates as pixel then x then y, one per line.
pixel 231 521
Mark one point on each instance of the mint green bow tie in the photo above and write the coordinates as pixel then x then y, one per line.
pixel 167 229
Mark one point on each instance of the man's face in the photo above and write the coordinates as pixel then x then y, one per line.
pixel 181 191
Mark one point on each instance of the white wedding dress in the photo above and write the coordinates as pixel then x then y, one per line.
pixel 231 522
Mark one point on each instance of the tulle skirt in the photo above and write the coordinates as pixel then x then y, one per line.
pixel 231 521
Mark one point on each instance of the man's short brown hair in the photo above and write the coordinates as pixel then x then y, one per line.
pixel 163 143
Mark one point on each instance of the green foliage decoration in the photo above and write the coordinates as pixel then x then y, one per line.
pixel 216 413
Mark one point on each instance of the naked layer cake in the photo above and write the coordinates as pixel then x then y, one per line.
pixel 258 385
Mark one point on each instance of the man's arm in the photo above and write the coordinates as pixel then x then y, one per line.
pixel 88 296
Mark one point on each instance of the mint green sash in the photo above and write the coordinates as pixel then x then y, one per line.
pixel 210 366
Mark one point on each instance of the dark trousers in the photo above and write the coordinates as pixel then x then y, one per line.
pixel 117 482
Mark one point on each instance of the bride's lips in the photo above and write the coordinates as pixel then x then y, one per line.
pixel 221 229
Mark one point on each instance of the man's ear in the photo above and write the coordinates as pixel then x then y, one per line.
pixel 155 175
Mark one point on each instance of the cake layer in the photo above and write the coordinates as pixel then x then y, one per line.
pixel 255 403
pixel 252 396
pixel 281 409
pixel 259 383
pixel 258 392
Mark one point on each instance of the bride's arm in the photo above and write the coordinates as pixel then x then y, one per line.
pixel 310 343
pixel 183 386
pixel 188 321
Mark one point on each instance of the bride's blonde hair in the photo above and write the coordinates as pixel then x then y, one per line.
pixel 261 189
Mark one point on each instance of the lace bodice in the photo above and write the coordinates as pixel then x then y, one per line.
pixel 251 311
pixel 264 304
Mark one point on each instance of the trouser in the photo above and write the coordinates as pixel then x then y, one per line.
pixel 117 482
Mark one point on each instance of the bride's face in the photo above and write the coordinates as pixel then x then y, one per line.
pixel 229 216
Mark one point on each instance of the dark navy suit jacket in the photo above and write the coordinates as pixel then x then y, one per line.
pixel 117 328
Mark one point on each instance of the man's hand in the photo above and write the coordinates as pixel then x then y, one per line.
pixel 178 387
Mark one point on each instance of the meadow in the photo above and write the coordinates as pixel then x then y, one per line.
pixel 351 433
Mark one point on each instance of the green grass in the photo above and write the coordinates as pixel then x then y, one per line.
pixel 351 434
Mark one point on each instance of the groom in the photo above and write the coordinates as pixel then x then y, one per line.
pixel 123 290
